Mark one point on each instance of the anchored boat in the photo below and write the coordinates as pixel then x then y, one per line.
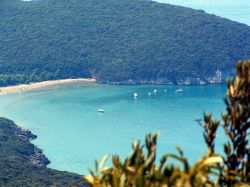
pixel 100 110
pixel 179 91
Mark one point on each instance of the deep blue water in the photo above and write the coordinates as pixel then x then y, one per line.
pixel 73 134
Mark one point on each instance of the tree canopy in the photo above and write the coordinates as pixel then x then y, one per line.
pixel 115 41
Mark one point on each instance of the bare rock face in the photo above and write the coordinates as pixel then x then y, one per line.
pixel 25 134
pixel 218 77
pixel 38 158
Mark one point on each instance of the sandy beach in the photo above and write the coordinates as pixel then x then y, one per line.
pixel 32 86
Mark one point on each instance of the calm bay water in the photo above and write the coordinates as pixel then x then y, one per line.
pixel 72 133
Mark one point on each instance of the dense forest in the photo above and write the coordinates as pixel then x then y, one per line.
pixel 22 164
pixel 116 41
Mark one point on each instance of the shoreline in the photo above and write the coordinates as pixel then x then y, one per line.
pixel 20 154
pixel 43 84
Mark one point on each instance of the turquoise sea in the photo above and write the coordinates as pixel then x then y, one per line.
pixel 73 134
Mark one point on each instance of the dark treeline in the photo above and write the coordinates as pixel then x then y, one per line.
pixel 114 41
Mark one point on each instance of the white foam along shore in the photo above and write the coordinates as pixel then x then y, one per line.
pixel 37 85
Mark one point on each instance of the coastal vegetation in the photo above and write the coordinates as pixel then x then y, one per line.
pixel 23 164
pixel 231 168
pixel 125 42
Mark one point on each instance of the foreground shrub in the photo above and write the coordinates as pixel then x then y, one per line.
pixel 230 169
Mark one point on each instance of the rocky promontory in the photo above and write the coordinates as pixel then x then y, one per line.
pixel 22 164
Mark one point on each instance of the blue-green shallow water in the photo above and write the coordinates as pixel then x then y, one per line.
pixel 72 133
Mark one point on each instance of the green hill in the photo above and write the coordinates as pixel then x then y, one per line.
pixel 22 164
pixel 116 41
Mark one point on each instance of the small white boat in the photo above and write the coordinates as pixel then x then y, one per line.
pixel 179 91
pixel 100 110
pixel 149 93
pixel 198 119
pixel 155 91
pixel 135 95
